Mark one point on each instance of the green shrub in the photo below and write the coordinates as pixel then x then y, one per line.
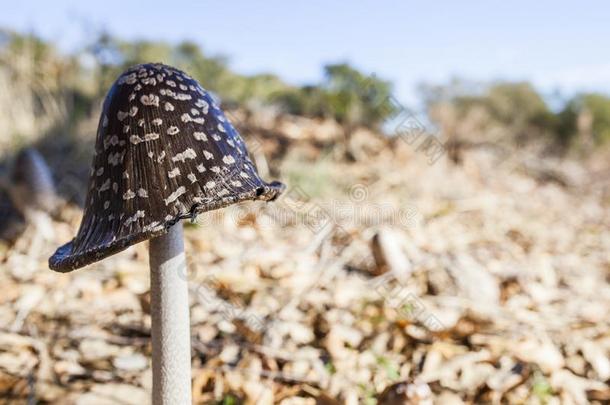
pixel 346 94
pixel 598 106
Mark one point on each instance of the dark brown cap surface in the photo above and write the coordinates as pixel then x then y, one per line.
pixel 164 152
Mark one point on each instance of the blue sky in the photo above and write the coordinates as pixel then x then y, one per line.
pixel 558 46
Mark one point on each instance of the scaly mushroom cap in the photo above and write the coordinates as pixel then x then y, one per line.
pixel 164 152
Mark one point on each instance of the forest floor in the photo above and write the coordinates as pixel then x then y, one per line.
pixel 384 279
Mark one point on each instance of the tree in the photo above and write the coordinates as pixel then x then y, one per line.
pixel 355 98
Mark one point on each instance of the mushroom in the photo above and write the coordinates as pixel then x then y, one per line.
pixel 164 152
pixel 12 222
pixel 32 182
pixel 28 198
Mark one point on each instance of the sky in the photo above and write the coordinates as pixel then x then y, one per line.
pixel 562 47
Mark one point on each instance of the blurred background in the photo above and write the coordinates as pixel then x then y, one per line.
pixel 444 234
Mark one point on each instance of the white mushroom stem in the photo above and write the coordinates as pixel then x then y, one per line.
pixel 171 337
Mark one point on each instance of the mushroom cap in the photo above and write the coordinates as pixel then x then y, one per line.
pixel 32 182
pixel 164 152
